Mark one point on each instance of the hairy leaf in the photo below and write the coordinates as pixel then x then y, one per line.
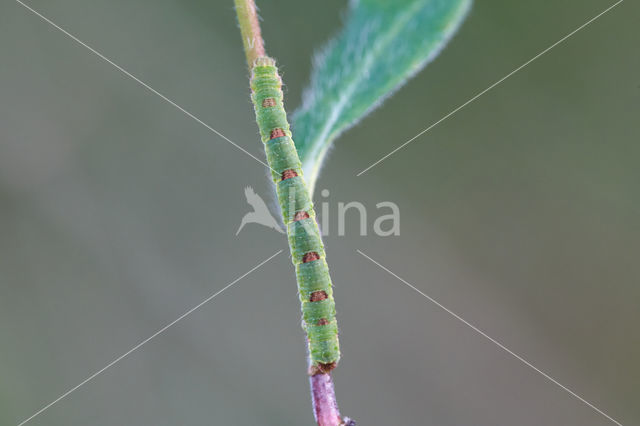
pixel 383 43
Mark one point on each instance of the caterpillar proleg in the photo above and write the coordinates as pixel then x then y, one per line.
pixel 305 242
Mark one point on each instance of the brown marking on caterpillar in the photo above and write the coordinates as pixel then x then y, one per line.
pixel 288 174
pixel 268 103
pixel 310 257
pixel 317 296
pixel 323 321
pixel 321 368
pixel 300 215
pixel 277 133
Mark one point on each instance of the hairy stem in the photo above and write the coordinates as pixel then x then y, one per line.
pixel 325 405
pixel 250 30
pixel 305 242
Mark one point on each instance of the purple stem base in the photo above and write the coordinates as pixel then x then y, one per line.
pixel 325 405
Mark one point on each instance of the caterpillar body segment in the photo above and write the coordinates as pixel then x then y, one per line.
pixel 305 241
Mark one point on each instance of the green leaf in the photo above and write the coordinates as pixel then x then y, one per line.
pixel 383 44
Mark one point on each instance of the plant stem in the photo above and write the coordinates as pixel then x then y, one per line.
pixel 250 30
pixel 286 167
pixel 325 405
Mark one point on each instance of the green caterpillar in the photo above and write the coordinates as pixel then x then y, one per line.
pixel 305 242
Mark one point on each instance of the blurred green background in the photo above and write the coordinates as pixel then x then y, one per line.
pixel 118 213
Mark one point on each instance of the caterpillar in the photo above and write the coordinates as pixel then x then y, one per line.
pixel 305 242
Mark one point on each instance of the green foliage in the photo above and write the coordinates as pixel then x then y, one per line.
pixel 383 43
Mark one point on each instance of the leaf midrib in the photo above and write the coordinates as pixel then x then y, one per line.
pixel 361 70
